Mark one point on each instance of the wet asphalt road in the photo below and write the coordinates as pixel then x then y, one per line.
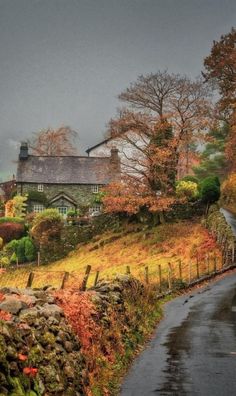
pixel 230 218
pixel 194 349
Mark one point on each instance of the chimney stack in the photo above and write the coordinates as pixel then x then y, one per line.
pixel 115 164
pixel 24 151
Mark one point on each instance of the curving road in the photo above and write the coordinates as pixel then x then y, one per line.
pixel 230 218
pixel 194 349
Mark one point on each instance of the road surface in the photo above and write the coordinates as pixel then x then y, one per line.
pixel 194 349
pixel 230 218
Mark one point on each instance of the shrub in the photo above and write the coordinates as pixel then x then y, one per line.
pixel 23 249
pixel 48 215
pixel 210 190
pixel 72 213
pixel 11 220
pixel 9 231
pixel 190 178
pixel 16 207
pixel 20 251
pixel 187 189
pixel 30 250
pixel 47 227
pixel 13 258
pixel 11 247
pixel 1 243
pixel 4 261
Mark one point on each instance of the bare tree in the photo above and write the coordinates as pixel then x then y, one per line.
pixel 55 142
pixel 183 103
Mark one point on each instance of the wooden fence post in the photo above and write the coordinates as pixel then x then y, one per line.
pixel 30 280
pixel 160 278
pixel 169 276
pixel 180 269
pixel 222 260
pixel 38 259
pixel 233 252
pixel 208 264
pixel 146 275
pixel 128 270
pixel 64 280
pixel 86 276
pixel 215 263
pixel 96 278
pixel 189 271
pixel 197 264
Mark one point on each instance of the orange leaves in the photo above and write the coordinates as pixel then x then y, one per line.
pixel 9 208
pixel 22 357
pixel 54 142
pixel 2 297
pixel 81 313
pixel 5 315
pixel 130 198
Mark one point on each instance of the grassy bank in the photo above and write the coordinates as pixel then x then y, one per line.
pixel 110 253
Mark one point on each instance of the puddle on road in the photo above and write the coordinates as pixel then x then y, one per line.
pixel 178 348
pixel 177 379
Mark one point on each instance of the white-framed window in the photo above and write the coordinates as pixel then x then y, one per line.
pixel 40 187
pixel 95 188
pixel 62 210
pixel 38 208
pixel 95 208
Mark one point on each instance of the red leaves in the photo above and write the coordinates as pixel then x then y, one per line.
pixel 2 297
pixel 81 313
pixel 5 315
pixel 30 371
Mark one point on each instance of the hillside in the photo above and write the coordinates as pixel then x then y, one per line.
pixel 111 253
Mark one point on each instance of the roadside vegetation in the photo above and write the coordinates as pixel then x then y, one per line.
pixel 154 217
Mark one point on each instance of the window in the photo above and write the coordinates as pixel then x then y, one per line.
pixel 38 208
pixel 62 210
pixel 40 187
pixel 95 208
pixel 95 188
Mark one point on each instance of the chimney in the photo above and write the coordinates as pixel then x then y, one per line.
pixel 24 151
pixel 115 163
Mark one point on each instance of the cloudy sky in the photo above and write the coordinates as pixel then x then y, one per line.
pixel 65 61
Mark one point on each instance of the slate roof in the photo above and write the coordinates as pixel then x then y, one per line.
pixel 64 170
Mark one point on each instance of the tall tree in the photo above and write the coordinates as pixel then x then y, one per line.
pixel 220 69
pixel 213 160
pixel 55 142
pixel 165 113
pixel 184 103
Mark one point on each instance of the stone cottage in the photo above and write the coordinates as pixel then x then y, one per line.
pixel 68 182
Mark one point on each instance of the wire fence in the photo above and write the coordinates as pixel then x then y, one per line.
pixel 175 274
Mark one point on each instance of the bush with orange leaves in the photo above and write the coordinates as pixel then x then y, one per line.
pixel 228 192
pixel 110 333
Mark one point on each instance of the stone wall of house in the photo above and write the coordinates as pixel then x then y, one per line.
pixel 82 194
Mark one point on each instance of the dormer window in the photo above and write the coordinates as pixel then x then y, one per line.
pixel 40 187
pixel 95 188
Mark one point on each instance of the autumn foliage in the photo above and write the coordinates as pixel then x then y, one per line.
pixel 9 231
pixel 81 314
pixel 228 192
pixel 56 142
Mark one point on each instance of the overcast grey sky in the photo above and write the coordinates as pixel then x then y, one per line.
pixel 65 61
